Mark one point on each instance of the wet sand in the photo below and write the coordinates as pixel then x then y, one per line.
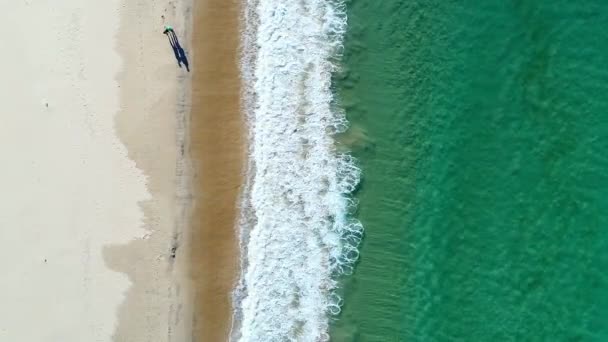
pixel 217 152
pixel 151 123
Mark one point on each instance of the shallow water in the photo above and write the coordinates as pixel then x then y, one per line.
pixel 481 129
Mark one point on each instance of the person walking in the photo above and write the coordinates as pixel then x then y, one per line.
pixel 168 29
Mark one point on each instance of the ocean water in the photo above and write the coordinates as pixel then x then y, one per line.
pixel 481 129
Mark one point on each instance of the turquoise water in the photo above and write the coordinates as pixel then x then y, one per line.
pixel 481 128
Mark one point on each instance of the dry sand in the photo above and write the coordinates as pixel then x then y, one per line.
pixel 93 179
pixel 217 138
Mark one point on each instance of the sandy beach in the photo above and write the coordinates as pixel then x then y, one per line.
pixel 94 180
pixel 217 151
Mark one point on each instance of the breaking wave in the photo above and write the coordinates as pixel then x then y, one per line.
pixel 296 232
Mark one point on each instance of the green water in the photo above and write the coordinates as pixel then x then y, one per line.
pixel 485 190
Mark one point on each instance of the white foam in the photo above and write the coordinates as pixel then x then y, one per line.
pixel 301 237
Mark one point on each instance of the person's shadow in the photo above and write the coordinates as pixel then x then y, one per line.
pixel 180 55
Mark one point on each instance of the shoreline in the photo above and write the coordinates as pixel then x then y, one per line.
pixel 218 151
pixel 300 236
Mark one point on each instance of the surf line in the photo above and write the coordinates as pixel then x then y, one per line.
pixel 299 235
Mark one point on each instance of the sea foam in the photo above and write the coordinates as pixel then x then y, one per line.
pixel 299 237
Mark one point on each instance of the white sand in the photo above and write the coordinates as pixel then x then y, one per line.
pixel 68 188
